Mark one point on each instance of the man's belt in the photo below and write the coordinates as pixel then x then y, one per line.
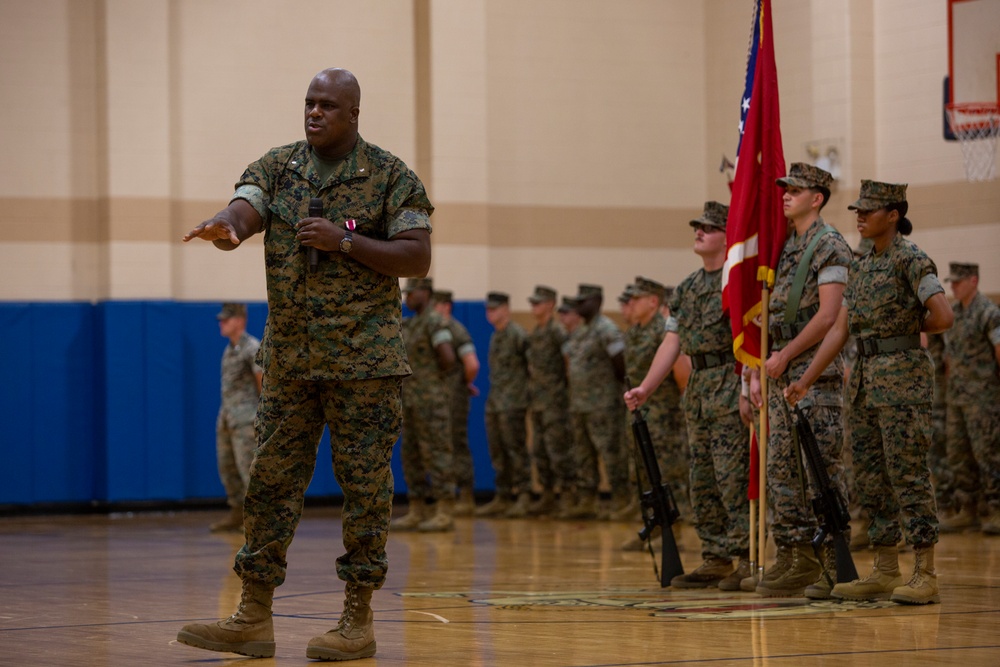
pixel 868 347
pixel 786 332
pixel 712 359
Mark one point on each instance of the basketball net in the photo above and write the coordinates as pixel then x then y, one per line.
pixel 976 126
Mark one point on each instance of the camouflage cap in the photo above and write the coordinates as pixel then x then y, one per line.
pixel 627 294
pixel 960 271
pixel 875 195
pixel 497 299
pixel 802 175
pixel 585 290
pixel 542 294
pixel 419 283
pixel 232 310
pixel 648 286
pixel 668 292
pixel 714 215
pixel 443 296
pixel 568 304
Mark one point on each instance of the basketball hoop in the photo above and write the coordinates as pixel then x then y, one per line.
pixel 976 125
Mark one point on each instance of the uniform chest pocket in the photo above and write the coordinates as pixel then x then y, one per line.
pixel 880 292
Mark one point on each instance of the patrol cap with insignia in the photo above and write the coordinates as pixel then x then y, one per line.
pixel 568 304
pixel 714 215
pixel 497 299
pixel 875 195
pixel 419 283
pixel 644 286
pixel 443 296
pixel 231 310
pixel 802 175
pixel 542 294
pixel 960 271
pixel 586 290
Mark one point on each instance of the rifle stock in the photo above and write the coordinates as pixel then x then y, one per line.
pixel 658 506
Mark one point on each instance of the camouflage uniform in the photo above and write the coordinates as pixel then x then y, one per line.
pixel 891 392
pixel 547 387
pixel 663 413
pixel 974 402
pixel 596 406
pixel 464 470
pixel 332 355
pixel 426 449
pixel 506 410
pixel 942 475
pixel 719 443
pixel 234 436
pixel 793 519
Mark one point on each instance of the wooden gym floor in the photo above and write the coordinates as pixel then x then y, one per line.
pixel 114 590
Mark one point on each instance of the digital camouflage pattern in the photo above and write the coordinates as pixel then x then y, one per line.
pixel 426 450
pixel 508 369
pixel 332 327
pixel 549 395
pixel 973 422
pixel 662 410
pixel 875 195
pixel 788 492
pixel 459 405
pixel 891 393
pixel 696 316
pixel 364 419
pixel 342 322
pixel 234 434
pixel 718 442
pixel 803 175
pixel 507 409
pixel 596 405
pixel 937 457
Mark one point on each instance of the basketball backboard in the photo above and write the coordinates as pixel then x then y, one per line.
pixel 974 50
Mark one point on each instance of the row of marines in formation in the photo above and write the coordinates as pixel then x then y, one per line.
pixel 566 377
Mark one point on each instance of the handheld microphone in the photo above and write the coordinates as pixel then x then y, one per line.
pixel 312 253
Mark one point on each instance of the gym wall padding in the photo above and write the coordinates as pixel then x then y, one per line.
pixel 115 402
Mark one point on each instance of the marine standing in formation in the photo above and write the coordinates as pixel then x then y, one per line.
pixel 462 389
pixel 234 436
pixel 807 296
pixel 893 294
pixel 973 423
pixel 426 448
pixel 717 439
pixel 507 411
pixel 375 229
pixel 549 394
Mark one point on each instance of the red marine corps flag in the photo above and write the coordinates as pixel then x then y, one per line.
pixel 755 235
pixel 755 231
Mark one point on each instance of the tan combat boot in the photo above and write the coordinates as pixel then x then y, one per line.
pixel 742 571
pixel 231 524
pixel 877 584
pixel 922 588
pixel 442 519
pixel 585 508
pixel 519 509
pixel 706 575
pixel 495 507
pixel 966 519
pixel 820 590
pixel 354 636
pixel 782 561
pixel 250 631
pixel 803 570
pixel 545 505
pixel 466 503
pixel 418 513
pixel 625 509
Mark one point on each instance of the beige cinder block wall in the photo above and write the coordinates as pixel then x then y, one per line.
pixel 562 141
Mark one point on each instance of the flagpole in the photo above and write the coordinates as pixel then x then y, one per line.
pixel 753 518
pixel 765 299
